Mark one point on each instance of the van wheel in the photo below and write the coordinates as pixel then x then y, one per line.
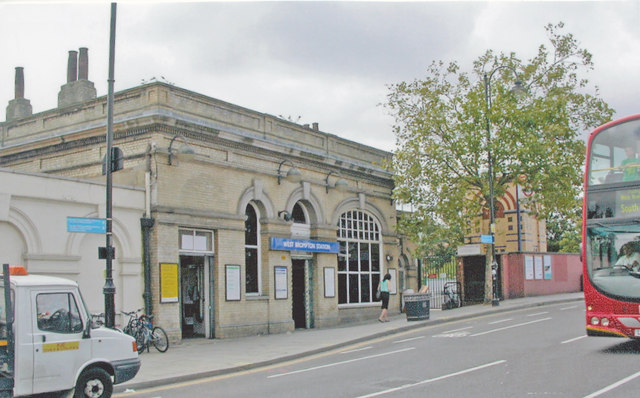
pixel 94 383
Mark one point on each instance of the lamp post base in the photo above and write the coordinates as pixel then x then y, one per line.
pixel 495 302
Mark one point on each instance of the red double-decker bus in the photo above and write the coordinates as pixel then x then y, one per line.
pixel 611 230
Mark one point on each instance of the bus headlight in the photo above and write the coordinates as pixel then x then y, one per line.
pixel 595 320
pixel 605 321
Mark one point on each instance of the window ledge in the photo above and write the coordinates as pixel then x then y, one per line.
pixel 256 297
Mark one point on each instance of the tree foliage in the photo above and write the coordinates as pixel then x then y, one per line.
pixel 442 143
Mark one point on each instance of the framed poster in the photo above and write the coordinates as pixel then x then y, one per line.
pixel 280 282
pixel 232 282
pixel 393 282
pixel 538 267
pixel 528 267
pixel 548 270
pixel 169 283
pixel 329 282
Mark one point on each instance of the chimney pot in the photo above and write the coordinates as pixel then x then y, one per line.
pixel 72 67
pixel 83 64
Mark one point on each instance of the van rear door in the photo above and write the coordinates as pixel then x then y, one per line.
pixel 58 347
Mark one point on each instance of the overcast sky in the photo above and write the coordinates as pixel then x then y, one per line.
pixel 325 62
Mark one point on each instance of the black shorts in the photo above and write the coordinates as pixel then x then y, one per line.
pixel 384 297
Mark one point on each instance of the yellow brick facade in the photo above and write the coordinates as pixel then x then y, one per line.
pixel 238 153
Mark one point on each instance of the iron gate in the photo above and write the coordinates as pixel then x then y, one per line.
pixel 438 272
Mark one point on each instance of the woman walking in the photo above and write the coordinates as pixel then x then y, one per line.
pixel 384 297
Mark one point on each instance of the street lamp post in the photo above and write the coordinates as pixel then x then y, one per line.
pixel 495 301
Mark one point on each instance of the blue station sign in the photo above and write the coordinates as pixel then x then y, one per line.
pixel 303 245
pixel 87 225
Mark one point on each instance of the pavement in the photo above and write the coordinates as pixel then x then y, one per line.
pixel 197 358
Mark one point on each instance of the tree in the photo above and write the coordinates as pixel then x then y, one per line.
pixel 563 232
pixel 441 158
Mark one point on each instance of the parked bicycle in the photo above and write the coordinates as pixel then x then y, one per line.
pixel 133 324
pixel 141 328
pixel 151 335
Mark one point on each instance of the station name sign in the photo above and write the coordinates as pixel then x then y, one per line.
pixel 303 245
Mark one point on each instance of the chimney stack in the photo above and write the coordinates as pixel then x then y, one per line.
pixel 78 88
pixel 19 107
pixel 72 66
pixel 83 64
pixel 316 126
pixel 19 82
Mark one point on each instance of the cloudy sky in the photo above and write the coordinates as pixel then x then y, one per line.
pixel 310 61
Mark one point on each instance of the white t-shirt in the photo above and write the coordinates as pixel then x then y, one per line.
pixel 629 260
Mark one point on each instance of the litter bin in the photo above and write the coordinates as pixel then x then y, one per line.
pixel 417 306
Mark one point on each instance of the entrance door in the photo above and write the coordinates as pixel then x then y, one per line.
pixel 474 271
pixel 192 295
pixel 297 295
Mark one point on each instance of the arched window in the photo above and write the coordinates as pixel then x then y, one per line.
pixel 252 250
pixel 298 214
pixel 359 265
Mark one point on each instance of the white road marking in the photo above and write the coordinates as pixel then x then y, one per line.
pixel 356 350
pixel 454 334
pixel 572 340
pixel 457 330
pixel 538 313
pixel 509 327
pixel 612 386
pixel 568 308
pixel 340 363
pixel 405 386
pixel 410 339
pixel 501 321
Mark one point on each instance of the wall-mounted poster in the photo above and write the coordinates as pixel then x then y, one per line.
pixel 393 282
pixel 232 278
pixel 538 267
pixel 168 283
pixel 548 270
pixel 329 282
pixel 280 279
pixel 528 267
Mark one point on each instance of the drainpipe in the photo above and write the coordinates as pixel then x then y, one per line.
pixel 518 218
pixel 146 223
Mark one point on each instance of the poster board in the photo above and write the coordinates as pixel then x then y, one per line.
pixel 280 282
pixel 548 269
pixel 538 267
pixel 329 282
pixel 232 282
pixel 528 267
pixel 169 283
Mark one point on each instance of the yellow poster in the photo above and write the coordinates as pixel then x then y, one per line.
pixel 168 283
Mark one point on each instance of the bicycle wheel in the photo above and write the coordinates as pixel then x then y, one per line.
pixel 160 339
pixel 141 339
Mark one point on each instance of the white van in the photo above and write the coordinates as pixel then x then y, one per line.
pixel 55 346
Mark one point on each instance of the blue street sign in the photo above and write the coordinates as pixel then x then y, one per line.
pixel 304 245
pixel 87 225
pixel 486 238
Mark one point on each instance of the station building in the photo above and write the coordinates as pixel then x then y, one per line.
pixel 250 224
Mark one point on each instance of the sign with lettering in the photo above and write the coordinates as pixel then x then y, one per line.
pixel 87 225
pixel 628 203
pixel 304 245
pixel 169 282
